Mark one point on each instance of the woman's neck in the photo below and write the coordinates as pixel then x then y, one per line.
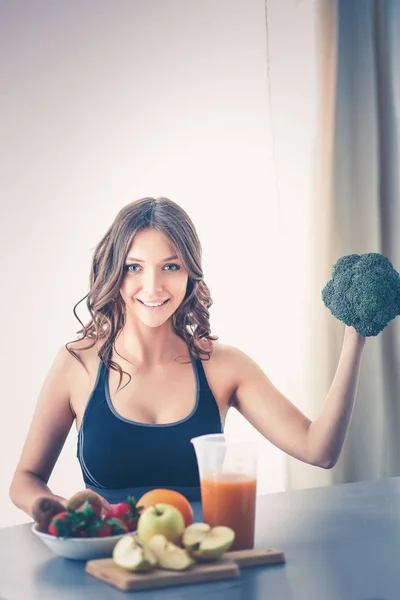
pixel 149 348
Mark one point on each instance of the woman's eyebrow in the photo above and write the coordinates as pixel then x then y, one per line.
pixel 142 261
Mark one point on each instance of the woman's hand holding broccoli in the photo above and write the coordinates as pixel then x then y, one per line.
pixel 351 332
pixel 364 292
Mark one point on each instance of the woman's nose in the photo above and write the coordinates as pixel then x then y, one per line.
pixel 152 282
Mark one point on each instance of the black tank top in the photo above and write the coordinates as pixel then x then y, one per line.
pixel 120 457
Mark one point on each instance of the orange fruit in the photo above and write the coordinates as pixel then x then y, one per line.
pixel 162 496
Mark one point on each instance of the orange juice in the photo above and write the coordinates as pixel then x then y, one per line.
pixel 230 499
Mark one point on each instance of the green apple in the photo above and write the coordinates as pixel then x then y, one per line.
pixel 162 519
pixel 194 534
pixel 130 554
pixel 168 555
pixel 206 543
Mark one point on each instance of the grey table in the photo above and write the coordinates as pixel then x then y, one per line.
pixel 341 543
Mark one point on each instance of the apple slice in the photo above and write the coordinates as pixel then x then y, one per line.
pixel 168 555
pixel 194 534
pixel 130 554
pixel 207 544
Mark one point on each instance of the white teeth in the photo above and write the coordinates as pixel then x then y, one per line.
pixel 154 304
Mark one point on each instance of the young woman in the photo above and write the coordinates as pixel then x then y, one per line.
pixel 146 376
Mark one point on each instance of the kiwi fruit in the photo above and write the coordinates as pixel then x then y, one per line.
pixel 80 497
pixel 44 510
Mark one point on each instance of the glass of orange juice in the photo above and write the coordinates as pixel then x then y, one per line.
pixel 228 482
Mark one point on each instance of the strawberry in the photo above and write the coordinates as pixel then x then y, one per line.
pixel 103 529
pixel 88 511
pixel 63 524
pixel 117 526
pixel 82 532
pixel 127 512
pixel 87 518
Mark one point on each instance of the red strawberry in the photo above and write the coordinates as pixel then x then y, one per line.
pixel 88 510
pixel 127 512
pixel 117 526
pixel 82 533
pixel 62 524
pixel 102 530
pixel 119 511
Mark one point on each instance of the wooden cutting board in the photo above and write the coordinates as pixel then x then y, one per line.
pixel 227 567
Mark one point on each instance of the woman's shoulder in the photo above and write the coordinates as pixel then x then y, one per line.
pixel 223 370
pixel 226 352
pixel 227 358
pixel 77 354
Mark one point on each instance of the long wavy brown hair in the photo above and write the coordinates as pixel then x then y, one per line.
pixel 104 303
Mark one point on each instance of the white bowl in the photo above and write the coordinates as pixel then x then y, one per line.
pixel 79 548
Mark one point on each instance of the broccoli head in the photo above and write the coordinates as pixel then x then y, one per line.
pixel 364 292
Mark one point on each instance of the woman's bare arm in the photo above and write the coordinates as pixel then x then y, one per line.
pixel 282 423
pixel 48 431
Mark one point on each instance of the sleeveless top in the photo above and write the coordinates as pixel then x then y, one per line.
pixel 120 457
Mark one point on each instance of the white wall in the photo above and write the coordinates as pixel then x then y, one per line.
pixel 106 102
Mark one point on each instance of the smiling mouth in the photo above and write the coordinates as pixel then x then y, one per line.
pixel 154 307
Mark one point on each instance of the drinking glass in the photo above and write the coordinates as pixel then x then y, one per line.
pixel 228 483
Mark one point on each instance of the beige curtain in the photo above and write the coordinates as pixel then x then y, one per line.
pixel 353 208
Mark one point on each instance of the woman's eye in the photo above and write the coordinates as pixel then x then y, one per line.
pixel 177 267
pixel 132 268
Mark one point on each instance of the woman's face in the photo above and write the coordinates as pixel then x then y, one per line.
pixel 153 274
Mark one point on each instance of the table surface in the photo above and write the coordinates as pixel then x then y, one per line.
pixel 341 543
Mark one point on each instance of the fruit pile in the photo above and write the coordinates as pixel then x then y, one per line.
pixel 158 530
pixel 83 516
pixel 168 538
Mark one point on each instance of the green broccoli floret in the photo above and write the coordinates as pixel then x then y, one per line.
pixel 364 292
